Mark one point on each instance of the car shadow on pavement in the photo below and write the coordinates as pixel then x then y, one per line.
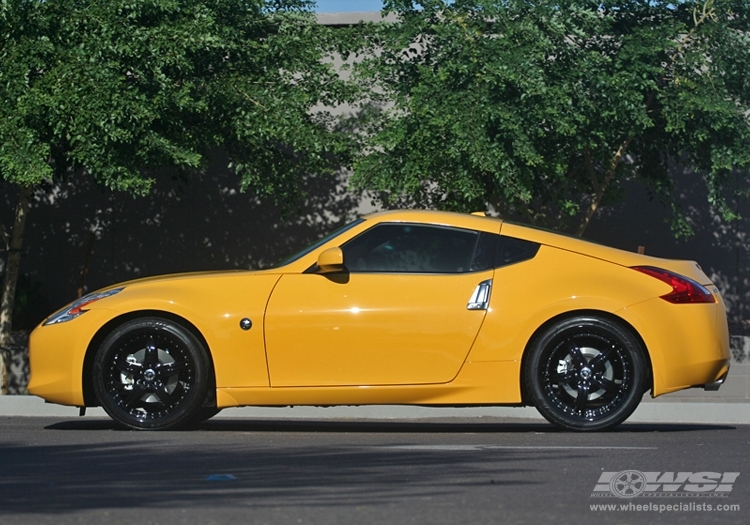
pixel 485 425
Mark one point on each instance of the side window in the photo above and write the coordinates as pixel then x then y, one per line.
pixel 484 253
pixel 495 251
pixel 411 248
pixel 511 250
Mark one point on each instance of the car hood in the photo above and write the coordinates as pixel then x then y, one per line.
pixel 155 284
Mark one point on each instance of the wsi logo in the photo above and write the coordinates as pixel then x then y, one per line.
pixel 632 483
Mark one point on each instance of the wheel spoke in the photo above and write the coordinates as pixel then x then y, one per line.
pixel 163 394
pixel 601 359
pixel 583 395
pixel 131 368
pixel 569 378
pixel 563 376
pixel 152 353
pixel 164 370
pixel 608 385
pixel 134 396
pixel 576 354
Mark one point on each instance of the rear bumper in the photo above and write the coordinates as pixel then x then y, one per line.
pixel 715 385
pixel 688 344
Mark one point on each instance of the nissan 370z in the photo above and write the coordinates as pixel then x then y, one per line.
pixel 398 307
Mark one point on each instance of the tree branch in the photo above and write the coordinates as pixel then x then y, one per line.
pixel 11 279
pixel 603 185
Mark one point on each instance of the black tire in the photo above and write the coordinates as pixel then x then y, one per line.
pixel 586 373
pixel 151 374
pixel 204 414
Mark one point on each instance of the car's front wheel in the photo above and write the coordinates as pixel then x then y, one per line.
pixel 586 373
pixel 204 414
pixel 151 374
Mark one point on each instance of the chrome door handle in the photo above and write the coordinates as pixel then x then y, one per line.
pixel 480 299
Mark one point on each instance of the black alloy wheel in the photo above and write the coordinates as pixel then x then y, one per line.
pixel 586 373
pixel 152 374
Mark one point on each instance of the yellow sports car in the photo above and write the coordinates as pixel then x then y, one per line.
pixel 398 307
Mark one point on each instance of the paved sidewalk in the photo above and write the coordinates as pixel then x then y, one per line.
pixel 647 412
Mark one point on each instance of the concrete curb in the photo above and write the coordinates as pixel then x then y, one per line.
pixel 661 412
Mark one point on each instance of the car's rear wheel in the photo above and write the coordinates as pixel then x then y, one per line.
pixel 151 374
pixel 586 373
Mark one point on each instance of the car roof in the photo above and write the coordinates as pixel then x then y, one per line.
pixel 533 234
pixel 442 218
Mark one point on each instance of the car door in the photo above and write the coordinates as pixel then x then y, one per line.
pixel 405 311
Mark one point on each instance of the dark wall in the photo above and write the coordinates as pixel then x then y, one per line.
pixel 206 223
pixel 203 223
pixel 721 248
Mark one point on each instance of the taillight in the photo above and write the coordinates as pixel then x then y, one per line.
pixel 684 289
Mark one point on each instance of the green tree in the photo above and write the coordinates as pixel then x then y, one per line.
pixel 113 89
pixel 542 108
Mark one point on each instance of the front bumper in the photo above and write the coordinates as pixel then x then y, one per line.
pixel 56 356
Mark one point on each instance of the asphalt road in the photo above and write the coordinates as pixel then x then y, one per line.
pixel 478 471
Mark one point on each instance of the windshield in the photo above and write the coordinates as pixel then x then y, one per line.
pixel 317 244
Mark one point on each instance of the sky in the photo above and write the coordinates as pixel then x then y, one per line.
pixel 343 6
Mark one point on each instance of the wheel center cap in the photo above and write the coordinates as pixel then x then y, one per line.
pixel 585 372
pixel 149 375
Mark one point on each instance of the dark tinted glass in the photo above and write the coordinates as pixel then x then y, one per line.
pixel 484 253
pixel 511 250
pixel 409 248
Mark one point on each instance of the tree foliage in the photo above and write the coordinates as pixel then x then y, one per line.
pixel 542 108
pixel 116 89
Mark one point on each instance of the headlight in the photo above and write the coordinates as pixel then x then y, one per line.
pixel 77 308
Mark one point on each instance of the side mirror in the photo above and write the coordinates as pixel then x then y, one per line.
pixel 331 260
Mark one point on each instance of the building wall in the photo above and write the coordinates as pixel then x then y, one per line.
pixel 204 223
pixel 721 248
